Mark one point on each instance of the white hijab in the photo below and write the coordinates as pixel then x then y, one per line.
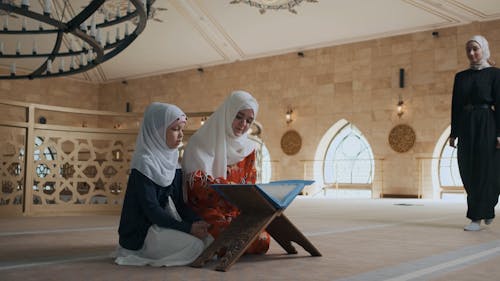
pixel 214 146
pixel 152 157
pixel 486 52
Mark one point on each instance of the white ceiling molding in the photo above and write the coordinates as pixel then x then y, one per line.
pixel 201 33
pixel 488 10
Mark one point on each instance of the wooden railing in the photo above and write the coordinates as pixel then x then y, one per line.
pixel 314 169
pixel 425 182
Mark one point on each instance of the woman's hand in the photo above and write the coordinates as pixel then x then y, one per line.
pixel 199 229
pixel 451 142
pixel 498 142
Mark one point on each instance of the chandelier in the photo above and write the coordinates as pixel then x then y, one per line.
pixel 48 38
pixel 264 5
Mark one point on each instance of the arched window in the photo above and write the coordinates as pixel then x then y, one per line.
pixel 263 163
pixel 263 158
pixel 445 176
pixel 48 154
pixel 448 167
pixel 348 159
pixel 42 169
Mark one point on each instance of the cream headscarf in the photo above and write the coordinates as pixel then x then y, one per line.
pixel 486 52
pixel 152 157
pixel 214 145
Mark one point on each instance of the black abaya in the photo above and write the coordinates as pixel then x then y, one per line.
pixel 476 124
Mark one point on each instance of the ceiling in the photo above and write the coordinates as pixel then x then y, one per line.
pixel 199 33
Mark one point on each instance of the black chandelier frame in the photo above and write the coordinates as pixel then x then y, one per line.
pixel 102 52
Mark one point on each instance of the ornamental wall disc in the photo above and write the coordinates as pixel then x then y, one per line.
pixel 402 138
pixel 291 142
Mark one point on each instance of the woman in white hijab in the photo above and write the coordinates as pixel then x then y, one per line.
pixel 220 152
pixel 156 227
pixel 475 121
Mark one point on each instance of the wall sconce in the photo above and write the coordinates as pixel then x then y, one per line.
pixel 203 119
pixel 400 110
pixel 117 155
pixel 288 115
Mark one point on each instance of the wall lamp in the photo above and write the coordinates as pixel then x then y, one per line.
pixel 288 115
pixel 400 110
pixel 203 119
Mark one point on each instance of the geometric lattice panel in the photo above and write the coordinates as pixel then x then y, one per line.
pixel 74 170
pixel 11 167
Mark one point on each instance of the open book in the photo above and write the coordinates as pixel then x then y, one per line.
pixel 279 193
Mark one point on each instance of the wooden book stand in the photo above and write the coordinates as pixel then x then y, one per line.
pixel 261 208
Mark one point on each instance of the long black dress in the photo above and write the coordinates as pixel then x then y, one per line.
pixel 476 124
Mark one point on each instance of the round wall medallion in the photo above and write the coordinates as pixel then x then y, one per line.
pixel 402 138
pixel 291 142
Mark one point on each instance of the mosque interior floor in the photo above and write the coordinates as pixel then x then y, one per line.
pixel 360 239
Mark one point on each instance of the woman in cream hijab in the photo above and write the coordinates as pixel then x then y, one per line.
pixel 220 152
pixel 475 121
pixel 156 227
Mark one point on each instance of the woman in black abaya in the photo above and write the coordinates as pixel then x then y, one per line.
pixel 475 122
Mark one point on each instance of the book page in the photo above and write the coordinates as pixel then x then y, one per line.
pixel 279 192
pixel 283 192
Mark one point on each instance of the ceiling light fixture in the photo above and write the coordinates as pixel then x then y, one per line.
pixel 264 5
pixel 59 35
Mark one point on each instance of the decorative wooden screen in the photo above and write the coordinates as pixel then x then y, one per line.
pixel 12 165
pixel 80 158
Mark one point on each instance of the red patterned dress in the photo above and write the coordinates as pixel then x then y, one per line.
pixel 214 209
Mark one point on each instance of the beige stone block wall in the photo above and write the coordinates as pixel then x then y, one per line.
pixel 358 82
pixel 65 92
pixel 55 91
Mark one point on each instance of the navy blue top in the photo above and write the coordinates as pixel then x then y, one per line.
pixel 144 205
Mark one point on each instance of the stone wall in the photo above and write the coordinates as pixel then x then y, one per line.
pixel 358 82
